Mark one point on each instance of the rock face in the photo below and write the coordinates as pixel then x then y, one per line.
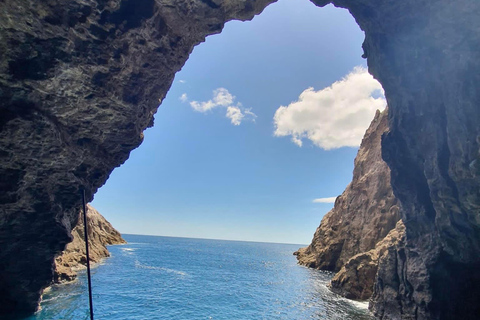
pixel 362 216
pixel 100 234
pixel 81 79
pixel 426 55
pixel 356 278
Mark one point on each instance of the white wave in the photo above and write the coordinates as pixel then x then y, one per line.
pixel 128 251
pixel 142 266
pixel 359 304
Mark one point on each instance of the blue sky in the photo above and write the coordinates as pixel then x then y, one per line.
pixel 224 159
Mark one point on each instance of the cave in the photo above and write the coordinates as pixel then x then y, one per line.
pixel 70 115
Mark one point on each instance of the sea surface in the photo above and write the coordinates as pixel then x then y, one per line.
pixel 192 279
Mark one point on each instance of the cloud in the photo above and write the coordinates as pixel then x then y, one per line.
pixel 235 115
pixel 334 117
pixel 182 81
pixel 324 200
pixel 248 112
pixel 222 98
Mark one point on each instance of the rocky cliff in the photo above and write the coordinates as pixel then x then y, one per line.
pixel 356 278
pixel 362 216
pixel 100 234
pixel 81 79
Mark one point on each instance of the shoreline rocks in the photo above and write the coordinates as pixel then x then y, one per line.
pixel 73 258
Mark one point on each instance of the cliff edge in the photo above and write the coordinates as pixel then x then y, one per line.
pixel 100 234
pixel 363 216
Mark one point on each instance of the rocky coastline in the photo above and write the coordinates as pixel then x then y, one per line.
pixel 81 80
pixel 100 235
pixel 354 234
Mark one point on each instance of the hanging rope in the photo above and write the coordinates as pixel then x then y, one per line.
pixel 88 256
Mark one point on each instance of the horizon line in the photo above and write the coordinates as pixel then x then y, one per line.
pixel 216 239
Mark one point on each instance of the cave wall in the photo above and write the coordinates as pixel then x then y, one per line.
pixel 426 55
pixel 81 79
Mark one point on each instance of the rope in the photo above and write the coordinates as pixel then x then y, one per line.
pixel 88 255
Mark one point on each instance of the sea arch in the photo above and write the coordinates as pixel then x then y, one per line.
pixel 70 114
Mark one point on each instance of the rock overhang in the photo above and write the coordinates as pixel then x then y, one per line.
pixel 71 111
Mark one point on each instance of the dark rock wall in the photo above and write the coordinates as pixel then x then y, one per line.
pixel 81 79
pixel 426 55
pixel 79 82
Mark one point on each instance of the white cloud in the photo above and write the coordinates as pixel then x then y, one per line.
pixel 334 117
pixel 182 81
pixel 223 99
pixel 324 200
pixel 184 97
pixel 235 115
pixel 248 112
pixel 202 106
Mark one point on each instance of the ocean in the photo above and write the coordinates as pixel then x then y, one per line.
pixel 195 279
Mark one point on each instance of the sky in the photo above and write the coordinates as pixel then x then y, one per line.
pixel 257 135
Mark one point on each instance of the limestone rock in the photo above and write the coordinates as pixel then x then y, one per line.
pixel 365 212
pixel 100 234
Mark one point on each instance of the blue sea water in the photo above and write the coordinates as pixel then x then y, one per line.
pixel 192 279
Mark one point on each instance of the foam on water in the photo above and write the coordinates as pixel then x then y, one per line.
pixel 162 278
pixel 142 266
pixel 359 304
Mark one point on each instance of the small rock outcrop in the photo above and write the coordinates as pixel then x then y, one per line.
pixel 363 216
pixel 100 234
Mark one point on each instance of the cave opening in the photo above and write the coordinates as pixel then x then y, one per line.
pixel 246 164
pixel 211 168
pixel 254 141
pixel 423 53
